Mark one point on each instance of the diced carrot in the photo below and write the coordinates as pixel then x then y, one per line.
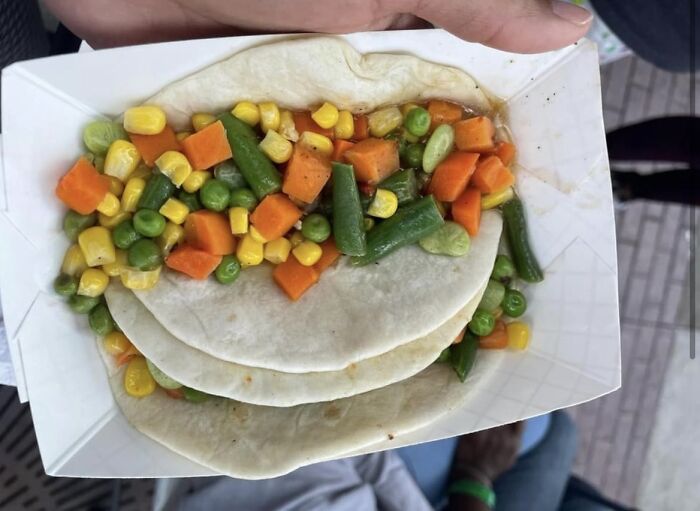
pixel 275 215
pixel 207 147
pixel 82 188
pixel 361 127
pixel 373 159
pixel 492 176
pixel 460 336
pixel 209 231
pixel 443 112
pixel 125 357
pixel 475 134
pixel 339 148
pixel 303 122
pixel 152 146
pixel 330 255
pixel 175 393
pixel 294 278
pixel 452 175
pixel 506 152
pixel 496 340
pixel 466 210
pixel 307 173
pixel 367 189
pixel 193 262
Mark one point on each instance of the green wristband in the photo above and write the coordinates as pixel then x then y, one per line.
pixel 474 489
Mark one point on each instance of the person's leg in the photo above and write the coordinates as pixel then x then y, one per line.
pixel 538 479
pixel 668 139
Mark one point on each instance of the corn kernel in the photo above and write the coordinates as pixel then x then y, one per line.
pixel 122 261
pixel 345 127
pixel 277 251
pixel 138 380
pixel 296 239
pixel 518 335
pixel 384 121
pixel 122 159
pixel 73 262
pixel 132 194
pixel 384 204
pixel 493 200
pixel 247 112
pixel 110 222
pixel 276 147
pixel 201 121
pixel 195 180
pixel 182 135
pixel 238 218
pixel 174 210
pixel 326 116
pixel 135 279
pixel 317 142
pixel 287 127
pixel 93 282
pixel 144 120
pixel 96 244
pixel 174 164
pixel 109 205
pixel 249 251
pixel 171 236
pixel 269 116
pixel 115 186
pixel 116 343
pixel 407 107
pixel 408 136
pixel 307 252
pixel 255 234
pixel 142 171
pixel 497 313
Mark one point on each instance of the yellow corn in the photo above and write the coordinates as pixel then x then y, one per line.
pixel 96 244
pixel 497 313
pixel 247 112
pixel 122 159
pixel 93 282
pixel 276 147
pixel 135 279
pixel 269 116
pixel 182 135
pixel 115 269
pixel 407 107
pixel 326 116
pixel 144 120
pixel 441 208
pixel 142 170
pixel 138 381
pixel 174 210
pixel 316 142
pixel 109 205
pixel 110 222
pixel 132 193
pixel 201 121
pixel 238 218
pixel 287 127
pixel 277 251
pixel 408 136
pixel 171 236
pixel 384 204
pixel 296 239
pixel 307 252
pixel 518 335
pixel 73 262
pixel 493 200
pixel 195 180
pixel 384 121
pixel 255 234
pixel 345 127
pixel 115 186
pixel 116 343
pixel 249 251
pixel 174 164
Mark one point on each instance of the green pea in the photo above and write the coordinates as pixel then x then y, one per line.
pixel 100 320
pixel 65 285
pixel 227 172
pixel 316 228
pixel 514 303
pixel 190 200
pixel 145 255
pixel 503 268
pixel 149 223
pixel 401 142
pixel 417 121
pixel 99 164
pixel 214 195
pixel 439 145
pixel 99 135
pixel 194 395
pixel 493 296
pixel 161 378
pixel 445 356
pixel 368 222
pixel 74 223
pixel 450 239
pixel 124 235
pixel 243 198
pixel 413 156
pixel 482 323
pixel 82 304
pixel 228 270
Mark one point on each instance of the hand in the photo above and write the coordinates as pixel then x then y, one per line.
pixel 513 25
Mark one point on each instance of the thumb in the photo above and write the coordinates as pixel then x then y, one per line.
pixel 523 26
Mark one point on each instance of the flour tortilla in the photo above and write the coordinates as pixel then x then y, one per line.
pixel 198 370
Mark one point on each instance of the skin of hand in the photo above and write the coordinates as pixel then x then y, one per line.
pixel 524 26
pixel 488 453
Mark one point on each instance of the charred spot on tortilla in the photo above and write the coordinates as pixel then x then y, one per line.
pixel 390 436
pixel 248 379
pixel 331 412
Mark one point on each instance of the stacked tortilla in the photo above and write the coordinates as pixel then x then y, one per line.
pixel 351 362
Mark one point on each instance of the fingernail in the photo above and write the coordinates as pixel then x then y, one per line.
pixel 571 13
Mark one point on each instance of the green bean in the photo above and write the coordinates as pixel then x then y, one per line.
pixel 482 323
pixel 348 220
pixel 439 145
pixel 403 184
pixel 228 270
pixel 444 356
pixel 316 228
pixel 158 189
pixel 191 200
pixel 149 223
pixel 145 255
pixel 194 395
pixel 516 229
pixel 493 296
pixel 100 320
pixel 99 135
pixel 161 378
pixel 514 303
pixel 369 223
pixel 124 235
pixel 417 121
pixel 214 195
pixel 82 304
pixel 65 285
pixel 450 239
pixel 463 355
pixel 74 223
